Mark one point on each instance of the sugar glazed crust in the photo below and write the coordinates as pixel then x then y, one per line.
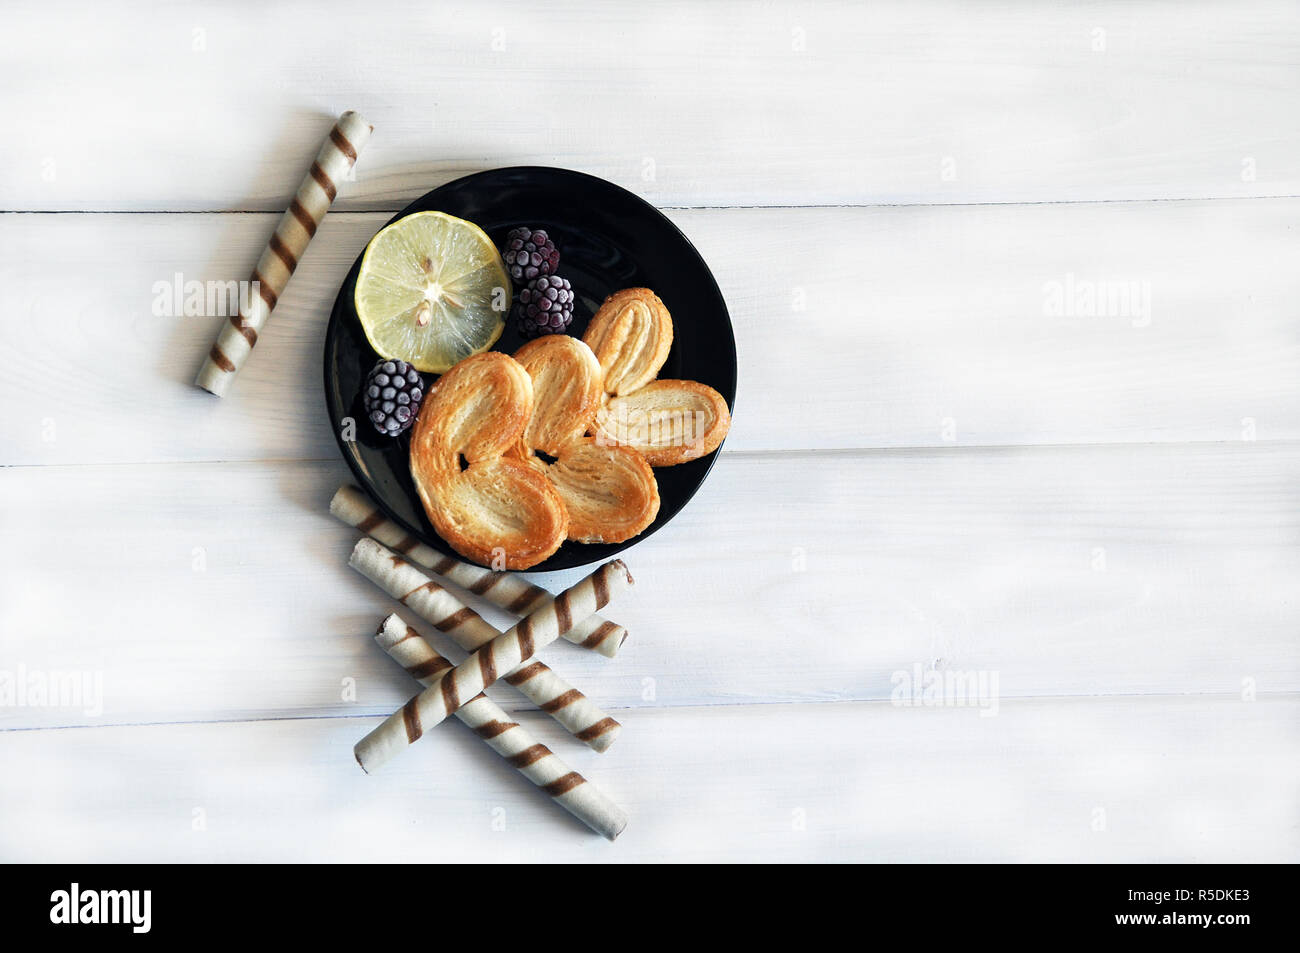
pixel 512 456
pixel 667 421
pixel 609 492
pixel 489 505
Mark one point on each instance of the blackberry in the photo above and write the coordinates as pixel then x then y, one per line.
pixel 546 306
pixel 392 396
pixel 530 254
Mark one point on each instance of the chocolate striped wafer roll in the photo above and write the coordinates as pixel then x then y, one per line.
pixel 506 653
pixel 505 736
pixel 297 225
pixel 502 589
pixel 547 690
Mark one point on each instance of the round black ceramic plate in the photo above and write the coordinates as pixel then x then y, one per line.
pixel 609 239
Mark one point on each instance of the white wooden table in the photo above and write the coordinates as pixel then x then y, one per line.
pixel 944 458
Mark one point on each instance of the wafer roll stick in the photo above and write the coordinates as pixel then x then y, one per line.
pixel 506 653
pixel 502 589
pixel 281 256
pixel 505 736
pixel 547 690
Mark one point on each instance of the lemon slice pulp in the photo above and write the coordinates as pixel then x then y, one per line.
pixel 432 290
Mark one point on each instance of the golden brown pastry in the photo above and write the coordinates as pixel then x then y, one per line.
pixel 667 421
pixel 630 335
pixel 490 507
pixel 566 390
pixel 609 491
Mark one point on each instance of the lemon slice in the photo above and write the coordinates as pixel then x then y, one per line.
pixel 432 291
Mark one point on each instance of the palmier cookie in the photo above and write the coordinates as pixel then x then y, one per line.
pixel 667 421
pixel 609 492
pixel 491 507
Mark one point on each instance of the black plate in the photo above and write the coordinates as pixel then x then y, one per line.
pixel 609 239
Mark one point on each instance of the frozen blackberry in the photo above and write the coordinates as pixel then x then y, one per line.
pixel 392 396
pixel 546 306
pixel 530 254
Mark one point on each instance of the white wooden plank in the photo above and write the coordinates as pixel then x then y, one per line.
pixel 688 104
pixel 221 591
pixel 1184 780
pixel 855 328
